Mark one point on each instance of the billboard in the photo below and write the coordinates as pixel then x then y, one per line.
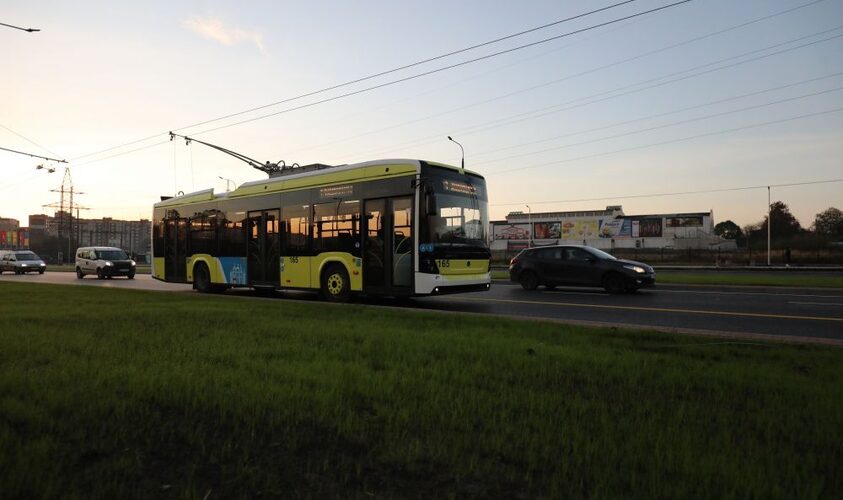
pixel 580 229
pixel 696 221
pixel 511 231
pixel 638 227
pixel 547 230
pixel 650 227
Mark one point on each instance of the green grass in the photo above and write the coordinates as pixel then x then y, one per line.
pixel 781 278
pixel 120 393
pixel 728 278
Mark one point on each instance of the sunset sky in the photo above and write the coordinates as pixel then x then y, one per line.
pixel 706 95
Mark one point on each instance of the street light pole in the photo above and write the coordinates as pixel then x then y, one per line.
pixel 529 225
pixel 226 182
pixel 769 223
pixel 462 162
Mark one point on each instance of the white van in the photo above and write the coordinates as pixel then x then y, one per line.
pixel 105 262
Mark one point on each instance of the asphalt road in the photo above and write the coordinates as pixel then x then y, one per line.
pixel 784 312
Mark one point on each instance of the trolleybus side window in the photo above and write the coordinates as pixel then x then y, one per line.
pixel 295 231
pixel 336 227
pixel 231 235
pixel 203 234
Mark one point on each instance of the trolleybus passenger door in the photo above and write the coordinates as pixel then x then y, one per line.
pixel 175 250
pixel 263 255
pixel 388 246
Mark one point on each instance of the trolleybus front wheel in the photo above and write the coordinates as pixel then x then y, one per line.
pixel 201 278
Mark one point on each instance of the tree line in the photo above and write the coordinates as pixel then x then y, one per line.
pixel 785 229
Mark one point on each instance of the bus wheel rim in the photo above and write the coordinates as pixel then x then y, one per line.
pixel 335 284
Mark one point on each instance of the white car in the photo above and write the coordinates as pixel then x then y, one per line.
pixel 105 262
pixel 21 262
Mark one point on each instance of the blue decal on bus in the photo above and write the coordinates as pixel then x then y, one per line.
pixel 234 270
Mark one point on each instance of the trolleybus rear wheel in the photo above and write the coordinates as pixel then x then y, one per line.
pixel 336 286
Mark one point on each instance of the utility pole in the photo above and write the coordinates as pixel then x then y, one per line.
pixel 65 206
pixel 769 223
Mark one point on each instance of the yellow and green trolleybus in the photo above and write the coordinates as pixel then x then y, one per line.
pixel 387 227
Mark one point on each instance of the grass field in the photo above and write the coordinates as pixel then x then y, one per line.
pixel 751 278
pixel 120 393
pixel 736 278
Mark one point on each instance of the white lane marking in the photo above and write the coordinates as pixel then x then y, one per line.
pixel 817 303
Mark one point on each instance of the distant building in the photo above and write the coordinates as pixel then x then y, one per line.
pixel 12 235
pixel 130 235
pixel 8 224
pixel 607 229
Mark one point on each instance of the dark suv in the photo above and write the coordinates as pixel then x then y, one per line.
pixel 579 266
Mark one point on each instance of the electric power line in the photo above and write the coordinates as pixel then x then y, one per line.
pixel 672 124
pixel 569 77
pixel 662 143
pixel 557 108
pixel 649 117
pixel 444 68
pixel 29 140
pixel 401 80
pixel 676 193
pixel 370 77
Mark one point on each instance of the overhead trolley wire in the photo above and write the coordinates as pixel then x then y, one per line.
pixel 557 108
pixel 372 76
pixel 29 140
pixel 444 68
pixel 401 80
pixel 569 77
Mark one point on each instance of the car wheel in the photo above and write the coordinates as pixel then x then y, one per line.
pixel 614 283
pixel 201 278
pixel 100 274
pixel 130 276
pixel 528 280
pixel 40 271
pixel 79 273
pixel 336 287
